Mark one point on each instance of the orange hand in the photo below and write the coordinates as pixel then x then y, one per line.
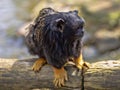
pixel 38 64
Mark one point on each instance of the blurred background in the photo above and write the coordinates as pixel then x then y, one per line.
pixel 102 36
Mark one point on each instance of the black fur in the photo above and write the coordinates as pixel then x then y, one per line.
pixel 56 36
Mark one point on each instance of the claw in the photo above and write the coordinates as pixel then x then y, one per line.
pixel 86 65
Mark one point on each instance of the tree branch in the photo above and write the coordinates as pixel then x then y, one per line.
pixel 17 75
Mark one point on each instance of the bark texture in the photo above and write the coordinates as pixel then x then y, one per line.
pixel 17 75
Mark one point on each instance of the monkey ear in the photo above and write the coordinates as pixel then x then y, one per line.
pixel 75 12
pixel 59 23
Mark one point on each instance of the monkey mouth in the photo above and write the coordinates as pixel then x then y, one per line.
pixel 79 33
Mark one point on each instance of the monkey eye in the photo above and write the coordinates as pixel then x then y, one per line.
pixel 80 27
pixel 81 24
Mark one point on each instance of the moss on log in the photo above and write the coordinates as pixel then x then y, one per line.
pixel 17 75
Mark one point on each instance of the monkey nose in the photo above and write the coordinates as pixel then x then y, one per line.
pixel 82 32
pixel 82 21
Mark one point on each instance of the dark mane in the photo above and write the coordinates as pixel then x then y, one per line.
pixel 57 48
pixel 33 38
pixel 44 41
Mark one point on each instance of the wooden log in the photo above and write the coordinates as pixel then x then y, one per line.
pixel 17 75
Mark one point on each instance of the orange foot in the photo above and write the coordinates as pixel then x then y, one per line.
pixel 80 63
pixel 60 77
pixel 38 64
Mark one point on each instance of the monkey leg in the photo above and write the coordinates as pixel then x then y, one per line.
pixel 79 62
pixel 60 75
pixel 38 64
